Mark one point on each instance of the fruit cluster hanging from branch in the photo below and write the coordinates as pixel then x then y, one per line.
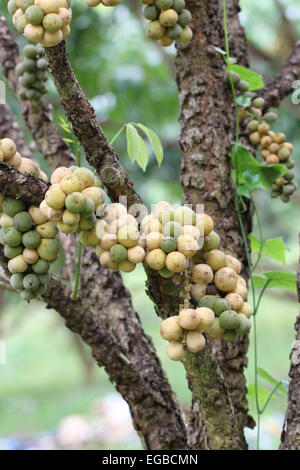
pixel 32 72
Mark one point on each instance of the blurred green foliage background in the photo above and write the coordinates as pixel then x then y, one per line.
pixel 48 373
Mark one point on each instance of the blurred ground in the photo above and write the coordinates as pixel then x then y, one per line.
pixel 51 395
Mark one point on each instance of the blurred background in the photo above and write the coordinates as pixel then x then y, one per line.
pixel 52 396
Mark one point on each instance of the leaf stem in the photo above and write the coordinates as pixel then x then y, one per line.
pixel 117 134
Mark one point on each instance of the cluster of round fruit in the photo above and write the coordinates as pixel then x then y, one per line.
pixel 120 243
pixel 32 72
pixel 185 331
pixel 274 148
pixel 29 244
pixel 9 155
pixel 72 200
pixel 43 21
pixel 169 21
pixel 106 3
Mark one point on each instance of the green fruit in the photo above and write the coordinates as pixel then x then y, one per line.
pixel 75 202
pixel 243 86
pixel 234 76
pixel 270 117
pixel 154 30
pixel 184 18
pixel 175 32
pixel 20 68
pixel 16 281
pixel 258 103
pixel 69 218
pixel 89 206
pixel 28 79
pixel 23 221
pixel 216 331
pixel 29 51
pixel 207 301
pixel 12 7
pixel 290 164
pixel 164 4
pixel 230 336
pixel 52 23
pixel 284 154
pixel 24 4
pixel 168 245
pixel 186 35
pixel 289 176
pixel 39 49
pixel 31 239
pixel 11 206
pixel 44 278
pixel 151 12
pixel 41 266
pixel 185 216
pixel 34 15
pixel 118 253
pixel 245 324
pixel 67 229
pixel 6 221
pixel 48 249
pixel 211 242
pixel 13 237
pixel 285 197
pixel 288 189
pixel 252 125
pixel 178 5
pixel 29 65
pixel 166 273
pixel 31 282
pixel 12 252
pixel 172 229
pixel 220 305
pixel 21 23
pixel 229 320
pixel 85 176
pixel 41 290
pixel 42 64
pixel 87 221
pixel 274 194
pixel 27 295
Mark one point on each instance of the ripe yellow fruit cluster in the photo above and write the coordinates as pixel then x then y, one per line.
pixel 273 147
pixel 43 21
pixel 72 200
pixel 185 331
pixel 9 155
pixel 106 3
pixel 169 21
pixel 29 244
pixel 120 243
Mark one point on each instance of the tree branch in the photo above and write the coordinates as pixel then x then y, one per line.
pixel 21 186
pixel 39 120
pixel 281 85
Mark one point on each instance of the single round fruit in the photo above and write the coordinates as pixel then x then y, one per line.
pixel 186 35
pixel 155 259
pixel 44 278
pixel 55 198
pixel 12 206
pixel 128 236
pixel 96 194
pixel 175 32
pixel 66 229
pixel 235 300
pixel 34 15
pixel 49 6
pixel 31 282
pixel 155 30
pixel 215 259
pixel 13 237
pixel 17 265
pixel 216 331
pixel 164 4
pixel 229 320
pixel 59 174
pixel 27 295
pixel 6 221
pixel 85 176
pixel 187 245
pixel 176 262
pixel 136 254
pixel 118 253
pixel 33 32
pixel 30 255
pixel 36 215
pixel 225 279
pixel 75 202
pixel 170 329
pixel 16 281
pixel 184 215
pixel 151 225
pixel 41 266
pixel 245 324
pixel 195 341
pixel 69 218
pixel 172 229
pixel 153 240
pixel 31 239
pixel 12 252
pixel 202 274
pixel 23 221
pixel 48 249
pixel 126 266
pixel 70 184
pixel 52 22
pixel 207 318
pixel 189 319
pixel 176 351
pixel 108 240
pixel 211 242
pixel 166 273
pixel 230 336
pixel 220 305
pixel 47 230
pixel 87 221
pixel 246 310
pixel 101 228
pixel 208 301
pixel 168 244
pixel 184 18
pixel 168 18
pixel 197 292
pixel 178 5
pixel 151 12
pixel 233 263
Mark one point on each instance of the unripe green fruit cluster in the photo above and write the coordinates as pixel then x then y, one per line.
pixel 72 201
pixel 120 243
pixel 43 21
pixel 29 244
pixel 273 147
pixel 185 331
pixel 10 155
pixel 106 3
pixel 169 20
pixel 32 72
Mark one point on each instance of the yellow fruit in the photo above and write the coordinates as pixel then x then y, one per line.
pixel 69 218
pixel 186 35
pixel 225 279
pixel 207 318
pixel 47 230
pixel 128 236
pixel 99 250
pixel 161 207
pixel 241 290
pixel 107 262
pixel 176 351
pixel 86 177
pixel 52 39
pixel 136 254
pixel 67 229
pixel 55 198
pixel 192 231
pixel 176 262
pixel 165 41
pixel 111 3
pixel 96 194
pixel 16 16
pixel 93 3
pixel 63 4
pixel 126 266
pixel 168 18
pixel 17 265
pixel 195 341
pixel 1 156
pixel 70 184
pixel 215 259
pixel 185 215
pixel 15 161
pixel 30 255
pixel 189 319
pixel 187 245
pixel 155 30
pixel 43 176
pixel 59 174
pixel 233 263
pixel 197 292
pixel 152 225
pixel 246 310
pixel 204 223
pixel 101 228
pixel 65 31
pixel 28 166
pixel 48 6
pixel 6 221
pixel 108 240
pixel 52 22
pixel 48 249
pixel 235 300
pixel 170 329
pixel 33 32
pixel 114 211
pixel 155 259
pixel 241 281
pixel 153 240
pixel 8 148
pixel 202 274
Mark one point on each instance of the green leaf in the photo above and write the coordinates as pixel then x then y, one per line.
pixel 263 394
pixel 265 375
pixel 254 243
pixel 278 279
pixel 155 142
pixel 70 141
pixel 255 81
pixel 142 157
pixel 132 138
pixel 273 248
